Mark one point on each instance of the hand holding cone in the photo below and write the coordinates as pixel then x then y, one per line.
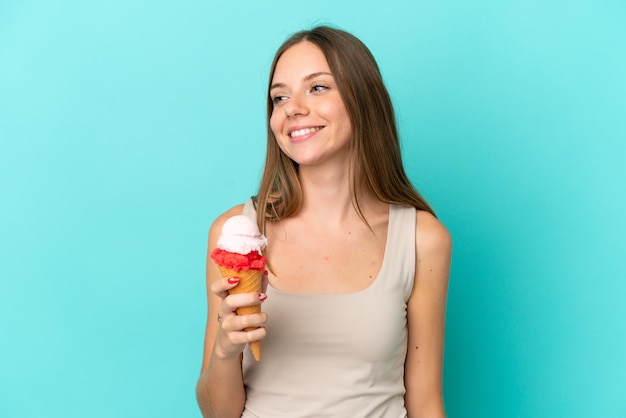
pixel 238 254
pixel 250 281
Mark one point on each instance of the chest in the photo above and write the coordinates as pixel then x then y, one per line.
pixel 369 325
pixel 325 261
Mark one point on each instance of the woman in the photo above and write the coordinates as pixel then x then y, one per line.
pixel 353 316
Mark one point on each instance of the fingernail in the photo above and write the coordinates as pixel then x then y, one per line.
pixel 265 272
pixel 233 280
pixel 262 296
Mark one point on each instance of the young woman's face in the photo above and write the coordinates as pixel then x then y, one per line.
pixel 309 119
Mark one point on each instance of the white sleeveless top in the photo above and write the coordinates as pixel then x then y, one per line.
pixel 339 356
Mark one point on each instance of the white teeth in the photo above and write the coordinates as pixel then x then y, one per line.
pixel 304 131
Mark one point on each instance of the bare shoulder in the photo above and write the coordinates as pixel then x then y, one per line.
pixel 431 236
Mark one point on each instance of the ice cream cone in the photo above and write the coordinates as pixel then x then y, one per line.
pixel 250 281
pixel 239 254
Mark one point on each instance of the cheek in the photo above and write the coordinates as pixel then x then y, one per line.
pixel 275 124
pixel 336 111
pixel 342 122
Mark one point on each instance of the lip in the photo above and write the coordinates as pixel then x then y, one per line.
pixel 303 136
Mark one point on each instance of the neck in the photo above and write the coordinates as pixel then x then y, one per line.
pixel 327 196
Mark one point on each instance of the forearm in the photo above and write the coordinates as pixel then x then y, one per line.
pixel 428 408
pixel 220 390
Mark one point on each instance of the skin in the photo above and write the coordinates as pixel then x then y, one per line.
pixel 343 255
pixel 305 97
pixel 220 389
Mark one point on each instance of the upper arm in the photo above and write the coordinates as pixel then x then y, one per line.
pixel 212 274
pixel 426 318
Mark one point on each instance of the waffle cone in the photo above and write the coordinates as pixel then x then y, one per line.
pixel 250 281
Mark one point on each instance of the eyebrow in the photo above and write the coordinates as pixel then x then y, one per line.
pixel 307 78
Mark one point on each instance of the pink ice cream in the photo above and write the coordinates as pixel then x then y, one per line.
pixel 241 235
pixel 240 245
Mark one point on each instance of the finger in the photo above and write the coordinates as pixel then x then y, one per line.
pixel 233 301
pixel 243 337
pixel 240 323
pixel 221 286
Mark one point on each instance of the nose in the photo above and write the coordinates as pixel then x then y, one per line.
pixel 296 106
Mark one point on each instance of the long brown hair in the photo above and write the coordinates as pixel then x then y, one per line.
pixel 377 162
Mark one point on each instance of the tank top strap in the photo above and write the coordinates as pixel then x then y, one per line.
pixel 248 210
pixel 400 250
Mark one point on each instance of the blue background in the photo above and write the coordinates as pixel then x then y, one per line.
pixel 120 121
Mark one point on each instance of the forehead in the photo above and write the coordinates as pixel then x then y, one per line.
pixel 300 60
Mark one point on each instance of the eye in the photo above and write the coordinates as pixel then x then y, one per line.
pixel 276 100
pixel 318 88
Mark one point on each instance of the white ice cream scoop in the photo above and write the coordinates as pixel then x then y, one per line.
pixel 241 235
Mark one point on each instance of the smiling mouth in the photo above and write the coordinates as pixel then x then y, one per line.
pixel 305 131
